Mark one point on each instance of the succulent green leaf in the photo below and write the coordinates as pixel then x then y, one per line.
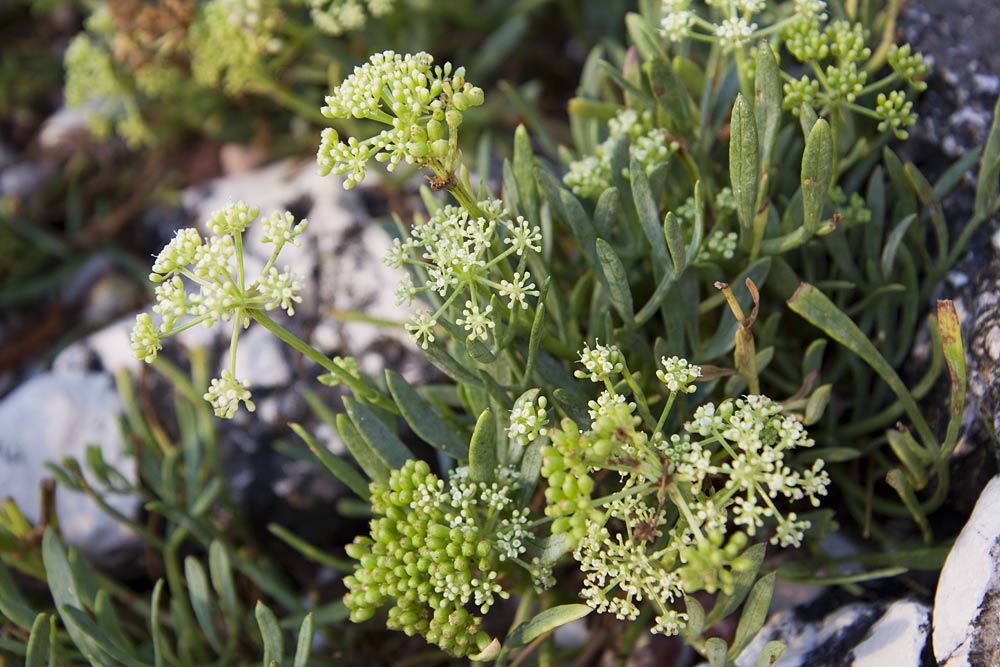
pixel 617 281
pixel 606 212
pixel 649 216
pixel 38 642
pixel 817 174
pixel 816 308
pixel 673 232
pixel 754 614
pixel 221 572
pixel 715 651
pixel 13 606
pixel 670 92
pixel 911 455
pixel 988 185
pixel 423 418
pixel 645 38
pixel 63 587
pixel 483 449
pixel 160 647
pixel 340 468
pixel 201 601
pixel 772 651
pixel 744 161
pixel 270 632
pixel 305 640
pixel 767 103
pixel 954 354
pixel 696 619
pixel 545 622
pixel 374 465
pixel 817 403
pixel 378 435
pixel 744 580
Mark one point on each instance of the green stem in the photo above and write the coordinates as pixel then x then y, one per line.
pixel 307 350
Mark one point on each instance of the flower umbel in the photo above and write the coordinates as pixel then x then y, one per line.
pixel 422 105
pixel 202 281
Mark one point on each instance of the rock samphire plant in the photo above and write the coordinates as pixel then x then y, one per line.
pixel 638 328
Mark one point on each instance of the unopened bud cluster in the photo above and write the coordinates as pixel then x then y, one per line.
pixel 435 551
pixel 839 54
pixel 422 104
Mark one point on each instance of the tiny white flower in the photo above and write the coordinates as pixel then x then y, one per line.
pixel 145 338
pixel 226 393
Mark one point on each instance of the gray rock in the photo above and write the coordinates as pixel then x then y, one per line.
pixel 261 360
pixel 340 259
pixel 58 414
pixel 860 634
pixel 967 604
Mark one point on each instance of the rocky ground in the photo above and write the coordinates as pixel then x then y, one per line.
pixel 51 410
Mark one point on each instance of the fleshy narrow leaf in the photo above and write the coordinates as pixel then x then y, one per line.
pixel 645 38
pixel 670 92
pixel 649 216
pixel 772 651
pixel 744 161
pixel 547 621
pixel 617 281
pixel 816 404
pixel 379 436
pixel 715 651
pixel 754 614
pixel 744 579
pixel 988 186
pixel 270 632
pixel 64 593
pixel 13 606
pixel 696 619
pixel 606 212
pixel 38 643
pixel 221 572
pixel 822 313
pixel 767 103
pixel 673 232
pixel 160 649
pixel 373 465
pixel 817 174
pixel 954 355
pixel 340 468
pixel 423 418
pixel 201 601
pixel 304 647
pixel 892 245
pixel 483 449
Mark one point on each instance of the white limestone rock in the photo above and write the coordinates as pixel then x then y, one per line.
pixel 967 604
pixel 58 414
pixel 860 634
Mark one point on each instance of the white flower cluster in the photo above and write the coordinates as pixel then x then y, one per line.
pixel 421 103
pixel 648 144
pixel 678 374
pixel 733 28
pixel 461 255
pixel 601 363
pixel 202 281
pixel 528 420
pixel 755 439
pixel 620 572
